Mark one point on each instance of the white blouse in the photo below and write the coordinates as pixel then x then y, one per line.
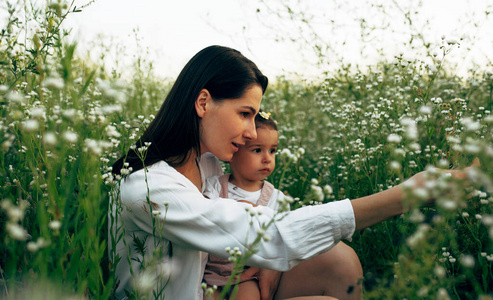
pixel 188 223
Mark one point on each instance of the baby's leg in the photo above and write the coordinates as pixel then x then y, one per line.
pixel 248 290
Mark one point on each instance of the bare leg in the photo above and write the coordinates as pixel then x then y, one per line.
pixel 247 290
pixel 336 273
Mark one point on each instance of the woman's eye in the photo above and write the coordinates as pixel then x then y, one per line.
pixel 245 114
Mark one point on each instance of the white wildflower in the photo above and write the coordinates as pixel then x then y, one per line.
pixel 396 166
pixel 15 213
pixel 439 271
pixel 266 237
pixel 421 193
pixel 394 138
pixel 487 220
pixel 55 225
pixel 38 113
pixel 443 163
pixel 93 147
pixel 328 189
pixel 70 113
pixel 467 260
pixel 452 41
pixel 418 236
pixel 111 131
pixel 414 146
pixel 472 148
pixel 50 138
pixel 453 140
pixel 35 246
pixel 145 281
pixel 416 216
pixel 30 125
pixel 410 127
pixel 285 153
pixel 425 110
pixel 32 247
pixel 448 204
pixel 432 68
pixel 16 231
pixel 16 97
pixel 54 83
pixel 442 294
pixel 470 125
pixel 422 292
pixel 318 192
pixel 109 109
pixel 70 136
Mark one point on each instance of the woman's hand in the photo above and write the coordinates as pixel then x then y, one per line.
pixel 378 207
pixel 419 179
pixel 268 283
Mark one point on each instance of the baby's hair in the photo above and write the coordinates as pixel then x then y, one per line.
pixel 262 122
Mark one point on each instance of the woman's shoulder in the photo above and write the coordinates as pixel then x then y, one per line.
pixel 158 173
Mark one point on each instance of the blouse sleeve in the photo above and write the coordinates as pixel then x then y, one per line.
pixel 193 221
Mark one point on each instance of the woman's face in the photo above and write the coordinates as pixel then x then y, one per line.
pixel 226 125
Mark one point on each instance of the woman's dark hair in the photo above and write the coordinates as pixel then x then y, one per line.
pixel 263 120
pixel 174 132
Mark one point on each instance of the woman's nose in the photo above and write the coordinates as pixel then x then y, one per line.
pixel 250 131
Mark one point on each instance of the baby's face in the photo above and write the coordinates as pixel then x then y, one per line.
pixel 256 159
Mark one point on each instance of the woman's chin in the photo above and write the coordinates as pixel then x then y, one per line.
pixel 225 157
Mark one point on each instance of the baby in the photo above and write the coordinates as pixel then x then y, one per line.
pixel 249 167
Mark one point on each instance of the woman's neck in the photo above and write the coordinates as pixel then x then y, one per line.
pixel 190 169
pixel 245 184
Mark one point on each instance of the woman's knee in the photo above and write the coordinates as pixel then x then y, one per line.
pixel 336 273
pixel 341 272
pixel 343 260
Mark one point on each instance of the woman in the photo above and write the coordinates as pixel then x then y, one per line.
pixel 167 225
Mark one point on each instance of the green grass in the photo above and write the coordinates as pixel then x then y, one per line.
pixel 64 121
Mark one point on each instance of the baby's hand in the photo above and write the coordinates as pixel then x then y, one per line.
pixel 252 271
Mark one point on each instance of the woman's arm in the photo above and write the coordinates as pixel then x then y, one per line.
pixel 378 207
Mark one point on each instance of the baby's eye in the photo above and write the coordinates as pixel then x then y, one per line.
pixel 256 150
pixel 272 151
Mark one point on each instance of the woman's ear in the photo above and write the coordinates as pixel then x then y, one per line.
pixel 201 102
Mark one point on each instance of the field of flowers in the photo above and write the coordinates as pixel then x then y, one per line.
pixel 64 121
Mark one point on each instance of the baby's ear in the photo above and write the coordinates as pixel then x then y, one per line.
pixel 201 102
